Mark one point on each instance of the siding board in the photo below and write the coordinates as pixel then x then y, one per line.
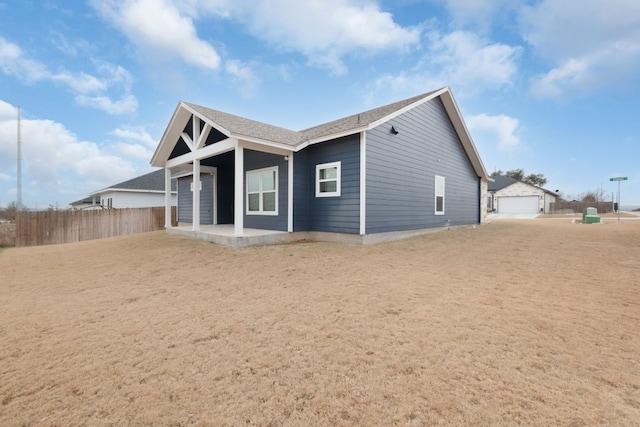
pixel 258 160
pixel 330 214
pixel 401 172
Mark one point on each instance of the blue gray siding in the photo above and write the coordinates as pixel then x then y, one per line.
pixel 258 160
pixel 401 172
pixel 331 214
pixel 224 203
pixel 185 199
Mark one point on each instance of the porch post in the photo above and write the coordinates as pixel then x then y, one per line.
pixel 363 183
pixel 290 193
pixel 167 198
pixel 238 197
pixel 195 222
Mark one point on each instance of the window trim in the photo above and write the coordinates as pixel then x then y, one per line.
pixel 261 192
pixel 436 195
pixel 337 179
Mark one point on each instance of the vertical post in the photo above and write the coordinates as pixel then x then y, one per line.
pixel 19 201
pixel 290 193
pixel 238 197
pixel 619 205
pixel 363 183
pixel 195 222
pixel 167 198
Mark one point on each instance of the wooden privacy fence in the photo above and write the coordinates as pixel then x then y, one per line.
pixel 51 227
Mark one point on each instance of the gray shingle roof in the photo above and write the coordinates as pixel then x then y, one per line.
pixel 153 181
pixel 500 182
pixel 246 127
pixel 241 126
pixel 359 120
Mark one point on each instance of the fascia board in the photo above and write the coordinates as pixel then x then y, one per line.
pixel 261 145
pixel 463 133
pixel 207 120
pixel 309 142
pixel 171 133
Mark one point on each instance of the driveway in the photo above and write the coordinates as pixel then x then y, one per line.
pixel 498 216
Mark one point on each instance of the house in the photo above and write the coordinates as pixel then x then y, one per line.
pixel 398 170
pixel 509 195
pixel 140 192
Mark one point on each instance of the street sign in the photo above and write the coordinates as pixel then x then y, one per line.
pixel 620 178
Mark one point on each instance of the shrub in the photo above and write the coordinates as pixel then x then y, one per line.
pixel 7 234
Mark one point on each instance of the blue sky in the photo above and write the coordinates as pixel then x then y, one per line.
pixel 550 86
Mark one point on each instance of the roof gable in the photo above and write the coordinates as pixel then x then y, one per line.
pixel 253 131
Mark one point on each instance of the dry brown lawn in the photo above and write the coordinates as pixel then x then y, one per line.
pixel 530 322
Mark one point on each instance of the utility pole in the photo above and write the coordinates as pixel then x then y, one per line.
pixel 19 201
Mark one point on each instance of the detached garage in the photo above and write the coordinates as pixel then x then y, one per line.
pixel 509 196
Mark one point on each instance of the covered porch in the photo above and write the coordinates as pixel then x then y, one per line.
pixel 224 234
pixel 207 144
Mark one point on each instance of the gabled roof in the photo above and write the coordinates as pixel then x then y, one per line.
pixel 503 181
pixel 253 131
pixel 152 181
pixel 500 182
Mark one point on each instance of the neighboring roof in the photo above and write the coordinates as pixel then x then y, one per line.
pixel 500 182
pixel 253 131
pixel 503 181
pixel 85 201
pixel 153 181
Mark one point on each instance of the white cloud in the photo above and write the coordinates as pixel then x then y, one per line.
pixel 503 127
pixel 133 142
pixel 244 75
pixel 56 164
pixel 478 14
pixel 159 30
pixel 462 60
pixel 324 31
pixel 136 134
pixel 591 46
pixel 89 90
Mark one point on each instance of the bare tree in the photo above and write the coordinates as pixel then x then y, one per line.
pixel 9 213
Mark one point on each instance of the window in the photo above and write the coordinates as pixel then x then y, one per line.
pixel 328 179
pixel 439 208
pixel 262 192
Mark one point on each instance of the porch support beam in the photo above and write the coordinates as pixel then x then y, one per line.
pixel 363 183
pixel 187 139
pixel 203 136
pixel 208 151
pixel 195 223
pixel 195 121
pixel 290 193
pixel 238 205
pixel 167 198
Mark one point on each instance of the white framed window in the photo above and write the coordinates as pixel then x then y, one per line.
pixel 328 180
pixel 262 191
pixel 439 195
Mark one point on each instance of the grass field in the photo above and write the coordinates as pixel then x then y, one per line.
pixel 531 323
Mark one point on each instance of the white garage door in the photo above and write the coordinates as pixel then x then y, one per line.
pixel 528 204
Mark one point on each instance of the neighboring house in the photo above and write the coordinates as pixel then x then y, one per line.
pixel 403 168
pixel 141 192
pixel 509 195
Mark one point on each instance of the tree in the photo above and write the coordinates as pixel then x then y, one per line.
pixel 9 213
pixel 536 179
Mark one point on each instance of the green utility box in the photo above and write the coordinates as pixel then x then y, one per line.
pixel 590 216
